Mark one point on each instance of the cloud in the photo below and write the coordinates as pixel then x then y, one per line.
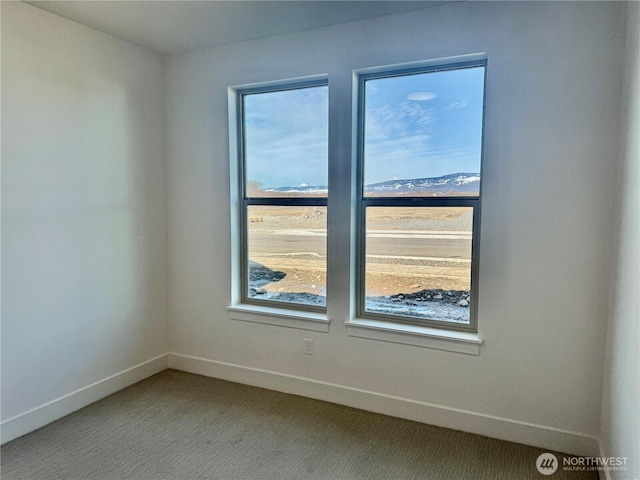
pixel 396 122
pixel 457 105
pixel 421 96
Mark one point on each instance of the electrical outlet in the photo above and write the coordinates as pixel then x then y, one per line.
pixel 308 346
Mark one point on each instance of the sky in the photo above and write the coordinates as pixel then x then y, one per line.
pixel 286 137
pixel 416 126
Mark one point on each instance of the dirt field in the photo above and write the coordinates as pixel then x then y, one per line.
pixel 411 249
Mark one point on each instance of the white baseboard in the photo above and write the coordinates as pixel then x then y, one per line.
pixel 438 415
pixel 603 474
pixel 40 416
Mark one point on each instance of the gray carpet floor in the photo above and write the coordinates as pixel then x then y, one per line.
pixel 175 425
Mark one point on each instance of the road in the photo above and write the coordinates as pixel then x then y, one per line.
pixel 397 261
pixel 428 245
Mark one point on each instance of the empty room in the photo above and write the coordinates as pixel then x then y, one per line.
pixel 264 240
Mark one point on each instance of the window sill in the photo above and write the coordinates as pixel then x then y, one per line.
pixel 317 322
pixel 452 341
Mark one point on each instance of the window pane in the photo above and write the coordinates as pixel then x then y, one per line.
pixel 286 142
pixel 418 262
pixel 287 254
pixel 423 134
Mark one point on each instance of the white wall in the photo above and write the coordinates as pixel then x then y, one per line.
pixel 83 227
pixel 620 412
pixel 83 208
pixel 552 123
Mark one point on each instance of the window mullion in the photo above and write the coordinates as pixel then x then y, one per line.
pixel 419 201
pixel 287 201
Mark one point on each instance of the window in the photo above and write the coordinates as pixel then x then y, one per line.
pixel 419 172
pixel 416 199
pixel 283 145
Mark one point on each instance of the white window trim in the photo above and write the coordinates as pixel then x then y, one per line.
pixel 303 320
pixel 419 336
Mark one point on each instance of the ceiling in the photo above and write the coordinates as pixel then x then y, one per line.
pixel 170 27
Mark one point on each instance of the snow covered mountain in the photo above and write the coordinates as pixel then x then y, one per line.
pixel 302 188
pixel 455 183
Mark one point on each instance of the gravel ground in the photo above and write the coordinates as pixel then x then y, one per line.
pixel 449 305
pixel 428 309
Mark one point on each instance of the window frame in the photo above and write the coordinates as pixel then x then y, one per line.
pixel 363 202
pixel 245 201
